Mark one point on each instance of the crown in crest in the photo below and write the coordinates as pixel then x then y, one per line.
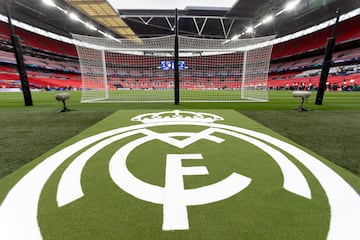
pixel 177 116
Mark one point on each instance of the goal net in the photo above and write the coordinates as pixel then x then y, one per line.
pixel 210 70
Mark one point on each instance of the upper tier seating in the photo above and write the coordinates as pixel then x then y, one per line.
pixel 44 72
pixel 36 41
pixel 347 31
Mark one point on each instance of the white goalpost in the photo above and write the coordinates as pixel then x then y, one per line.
pixel 210 70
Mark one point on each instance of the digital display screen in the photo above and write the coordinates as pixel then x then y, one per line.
pixel 169 65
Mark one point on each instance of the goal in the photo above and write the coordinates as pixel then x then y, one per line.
pixel 210 70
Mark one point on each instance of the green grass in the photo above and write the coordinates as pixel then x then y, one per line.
pixel 332 134
pixel 263 211
pixel 168 95
pixel 329 129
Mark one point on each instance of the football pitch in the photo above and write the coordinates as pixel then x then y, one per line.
pixel 167 95
pixel 188 171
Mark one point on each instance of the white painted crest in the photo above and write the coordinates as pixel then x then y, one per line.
pixel 177 116
pixel 18 211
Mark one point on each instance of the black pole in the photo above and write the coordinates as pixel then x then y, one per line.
pixel 19 60
pixel 176 60
pixel 327 63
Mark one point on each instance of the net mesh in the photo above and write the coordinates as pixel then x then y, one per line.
pixel 210 70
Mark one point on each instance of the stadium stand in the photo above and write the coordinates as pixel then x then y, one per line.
pixel 347 31
pixel 38 42
pixel 295 65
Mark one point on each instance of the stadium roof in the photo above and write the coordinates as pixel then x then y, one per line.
pixel 136 18
pixel 166 4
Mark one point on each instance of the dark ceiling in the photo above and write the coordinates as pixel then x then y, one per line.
pixel 214 23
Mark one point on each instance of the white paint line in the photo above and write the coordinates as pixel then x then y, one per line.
pixel 344 201
pixel 175 212
pixel 175 216
pixel 221 190
pixel 192 137
pixel 198 170
pixel 18 211
pixel 69 188
pixel 294 180
pixel 127 181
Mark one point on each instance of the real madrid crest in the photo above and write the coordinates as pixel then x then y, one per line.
pixel 173 196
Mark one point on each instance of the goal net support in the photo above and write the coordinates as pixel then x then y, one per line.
pixel 210 70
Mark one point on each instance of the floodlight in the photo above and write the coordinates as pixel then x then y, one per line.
pixel 63 10
pixel 249 29
pixel 235 37
pixel 103 33
pixel 49 3
pixel 291 5
pixel 268 19
pixel 280 12
pixel 112 38
pixel 89 25
pixel 74 16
